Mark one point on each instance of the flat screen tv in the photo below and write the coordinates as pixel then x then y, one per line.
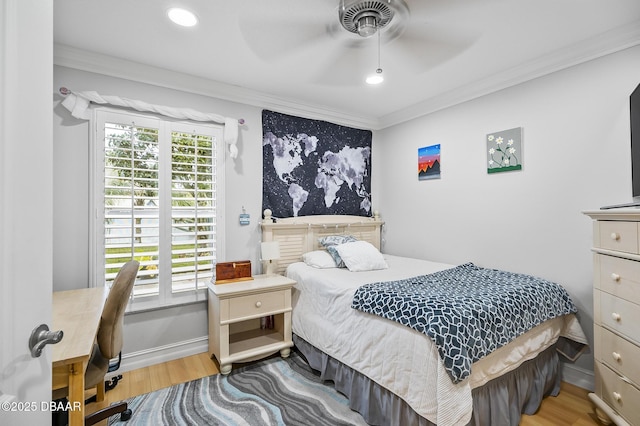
pixel 634 116
pixel 634 110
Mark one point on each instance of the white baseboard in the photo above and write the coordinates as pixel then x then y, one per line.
pixel 578 376
pixel 160 354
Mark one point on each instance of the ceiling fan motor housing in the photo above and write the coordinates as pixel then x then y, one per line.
pixel 365 17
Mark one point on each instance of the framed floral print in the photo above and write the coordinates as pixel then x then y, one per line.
pixel 504 150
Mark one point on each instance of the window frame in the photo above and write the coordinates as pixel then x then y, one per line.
pixel 166 125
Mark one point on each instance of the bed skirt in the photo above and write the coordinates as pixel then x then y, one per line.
pixel 499 402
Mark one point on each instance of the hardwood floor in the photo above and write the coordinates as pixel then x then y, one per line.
pixel 571 407
pixel 159 376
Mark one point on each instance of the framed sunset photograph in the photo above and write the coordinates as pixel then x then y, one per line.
pixel 429 162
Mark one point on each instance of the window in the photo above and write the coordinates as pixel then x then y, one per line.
pixel 158 184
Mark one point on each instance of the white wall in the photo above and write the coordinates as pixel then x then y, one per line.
pixel 576 157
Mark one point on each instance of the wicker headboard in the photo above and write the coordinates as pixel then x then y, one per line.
pixel 298 235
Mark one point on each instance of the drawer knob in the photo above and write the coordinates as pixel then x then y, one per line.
pixel 615 316
pixel 258 304
pixel 616 356
pixel 617 396
pixel 615 236
pixel 615 277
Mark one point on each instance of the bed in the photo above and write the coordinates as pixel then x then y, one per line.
pixel 391 373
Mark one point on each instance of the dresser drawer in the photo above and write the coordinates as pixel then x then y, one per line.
pixel 620 277
pixel 619 354
pixel 257 304
pixel 617 235
pixel 620 315
pixel 620 395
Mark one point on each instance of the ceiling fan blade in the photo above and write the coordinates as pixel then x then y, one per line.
pixel 347 66
pixel 276 39
pixel 423 46
pixel 436 8
pixel 272 33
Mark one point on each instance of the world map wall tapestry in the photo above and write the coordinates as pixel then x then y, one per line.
pixel 313 167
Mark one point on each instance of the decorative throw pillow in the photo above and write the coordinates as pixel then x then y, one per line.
pixel 361 256
pixel 331 241
pixel 319 259
pixel 334 240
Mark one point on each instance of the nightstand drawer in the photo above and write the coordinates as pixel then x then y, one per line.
pixel 620 354
pixel 257 304
pixel 618 235
pixel 620 277
pixel 620 395
pixel 620 315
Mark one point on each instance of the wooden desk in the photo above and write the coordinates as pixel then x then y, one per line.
pixel 77 313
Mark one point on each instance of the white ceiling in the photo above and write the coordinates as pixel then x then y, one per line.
pixel 292 54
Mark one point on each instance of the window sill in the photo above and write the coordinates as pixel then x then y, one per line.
pixel 149 304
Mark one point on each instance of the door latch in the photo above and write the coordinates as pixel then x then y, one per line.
pixel 40 337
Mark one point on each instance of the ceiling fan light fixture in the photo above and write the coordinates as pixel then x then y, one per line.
pixel 182 17
pixel 376 78
pixel 367 25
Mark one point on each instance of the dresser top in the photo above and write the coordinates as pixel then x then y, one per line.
pixel 627 213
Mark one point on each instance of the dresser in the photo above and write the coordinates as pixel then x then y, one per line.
pixel 616 299
pixel 235 312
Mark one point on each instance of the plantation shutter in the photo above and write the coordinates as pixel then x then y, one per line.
pixel 159 185
pixel 131 202
pixel 193 210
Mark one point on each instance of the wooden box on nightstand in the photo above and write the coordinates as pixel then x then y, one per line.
pixel 234 319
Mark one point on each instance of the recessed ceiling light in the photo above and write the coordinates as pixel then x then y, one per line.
pixel 182 17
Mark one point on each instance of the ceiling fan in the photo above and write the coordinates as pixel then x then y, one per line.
pixel 339 38
pixel 366 17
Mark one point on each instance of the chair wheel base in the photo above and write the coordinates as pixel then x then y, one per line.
pixel 112 383
pixel 125 415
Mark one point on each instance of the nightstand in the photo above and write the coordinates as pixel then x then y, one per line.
pixel 235 310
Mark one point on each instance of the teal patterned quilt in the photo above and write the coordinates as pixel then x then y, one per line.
pixel 468 311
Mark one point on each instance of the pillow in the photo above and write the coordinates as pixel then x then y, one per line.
pixel 335 256
pixel 319 259
pixel 334 240
pixel 361 256
pixel 331 241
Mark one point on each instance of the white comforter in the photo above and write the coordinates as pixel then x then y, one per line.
pixel 396 357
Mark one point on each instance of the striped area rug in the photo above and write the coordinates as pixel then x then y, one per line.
pixel 274 391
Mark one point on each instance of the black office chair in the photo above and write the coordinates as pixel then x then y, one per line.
pixel 108 347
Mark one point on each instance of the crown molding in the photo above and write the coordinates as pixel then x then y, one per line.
pixel 605 44
pixel 84 60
